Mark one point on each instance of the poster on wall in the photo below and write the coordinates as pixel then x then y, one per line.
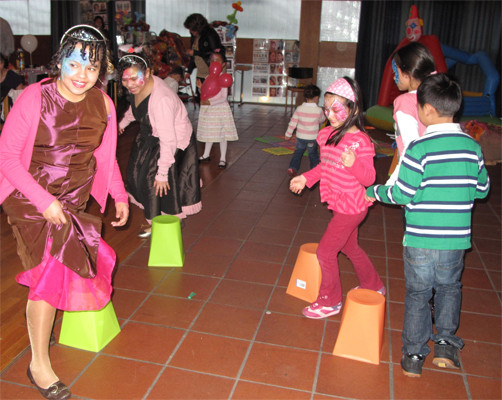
pixel 92 9
pixel 271 60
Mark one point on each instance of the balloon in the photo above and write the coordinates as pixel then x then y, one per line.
pixel 225 80
pixel 215 68
pixel 210 87
pixel 29 43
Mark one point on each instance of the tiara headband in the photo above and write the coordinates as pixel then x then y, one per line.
pixel 82 35
pixel 130 58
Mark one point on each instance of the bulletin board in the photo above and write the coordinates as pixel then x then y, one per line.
pixel 91 9
pixel 271 60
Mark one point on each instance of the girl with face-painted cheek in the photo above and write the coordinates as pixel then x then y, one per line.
pixel 57 147
pixel 411 64
pixel 345 170
pixel 162 175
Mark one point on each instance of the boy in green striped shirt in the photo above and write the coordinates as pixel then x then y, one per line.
pixel 441 175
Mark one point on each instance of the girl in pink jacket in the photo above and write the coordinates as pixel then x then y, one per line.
pixel 57 148
pixel 163 171
pixel 346 168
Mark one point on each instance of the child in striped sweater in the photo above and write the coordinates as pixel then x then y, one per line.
pixel 346 168
pixel 306 120
pixel 441 175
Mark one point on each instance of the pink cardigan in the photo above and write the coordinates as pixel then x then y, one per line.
pixel 341 187
pixel 16 149
pixel 170 123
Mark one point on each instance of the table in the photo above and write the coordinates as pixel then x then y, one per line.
pixel 31 74
pixel 242 68
pixel 293 90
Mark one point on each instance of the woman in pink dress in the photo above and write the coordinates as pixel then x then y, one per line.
pixel 57 148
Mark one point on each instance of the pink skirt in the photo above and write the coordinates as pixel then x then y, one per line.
pixel 56 284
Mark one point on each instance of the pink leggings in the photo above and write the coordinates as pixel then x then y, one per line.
pixel 341 235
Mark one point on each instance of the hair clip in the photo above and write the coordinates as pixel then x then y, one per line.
pixel 81 34
pixel 131 58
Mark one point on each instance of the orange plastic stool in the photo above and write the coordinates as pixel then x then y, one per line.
pixel 306 277
pixel 361 331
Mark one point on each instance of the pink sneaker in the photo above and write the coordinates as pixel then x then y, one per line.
pixel 382 290
pixel 316 311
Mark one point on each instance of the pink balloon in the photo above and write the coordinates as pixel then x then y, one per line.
pixel 215 68
pixel 210 87
pixel 225 80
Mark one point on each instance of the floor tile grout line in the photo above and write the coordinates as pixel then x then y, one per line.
pixel 387 309
pixel 182 339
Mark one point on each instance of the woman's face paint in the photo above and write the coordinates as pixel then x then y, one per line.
pixel 134 79
pixel 77 75
pixel 396 72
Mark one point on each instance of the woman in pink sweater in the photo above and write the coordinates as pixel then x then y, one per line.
pixel 57 148
pixel 346 168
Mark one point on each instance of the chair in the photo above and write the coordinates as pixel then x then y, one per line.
pixel 186 93
pixel 297 79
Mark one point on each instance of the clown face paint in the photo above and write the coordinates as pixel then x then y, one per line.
pixel 77 75
pixel 413 29
pixel 134 80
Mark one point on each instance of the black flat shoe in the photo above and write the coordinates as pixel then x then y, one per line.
pixel 222 164
pixel 57 391
pixel 204 159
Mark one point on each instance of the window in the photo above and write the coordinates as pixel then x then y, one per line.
pixel 27 16
pixel 266 19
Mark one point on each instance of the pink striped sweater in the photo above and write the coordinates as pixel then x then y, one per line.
pixel 306 120
pixel 344 188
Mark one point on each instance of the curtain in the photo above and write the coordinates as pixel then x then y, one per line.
pixel 64 14
pixel 469 26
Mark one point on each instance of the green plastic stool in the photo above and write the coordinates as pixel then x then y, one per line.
pixel 166 246
pixel 89 330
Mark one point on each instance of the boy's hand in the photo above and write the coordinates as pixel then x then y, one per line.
pixel 297 184
pixel 205 103
pixel 348 158
pixel 370 199
pixel 288 137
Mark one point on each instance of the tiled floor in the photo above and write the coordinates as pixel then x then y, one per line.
pixel 241 336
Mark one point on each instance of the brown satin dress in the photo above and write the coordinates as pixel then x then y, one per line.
pixel 62 163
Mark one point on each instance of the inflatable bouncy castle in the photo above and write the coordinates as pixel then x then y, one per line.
pixel 476 105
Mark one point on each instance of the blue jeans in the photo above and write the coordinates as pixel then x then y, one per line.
pixel 425 269
pixel 301 146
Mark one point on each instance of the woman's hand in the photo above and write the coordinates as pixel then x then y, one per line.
pixel 121 131
pixel 198 83
pixel 205 103
pixel 122 213
pixel 161 188
pixel 348 158
pixel 54 213
pixel 297 184
pixel 189 52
